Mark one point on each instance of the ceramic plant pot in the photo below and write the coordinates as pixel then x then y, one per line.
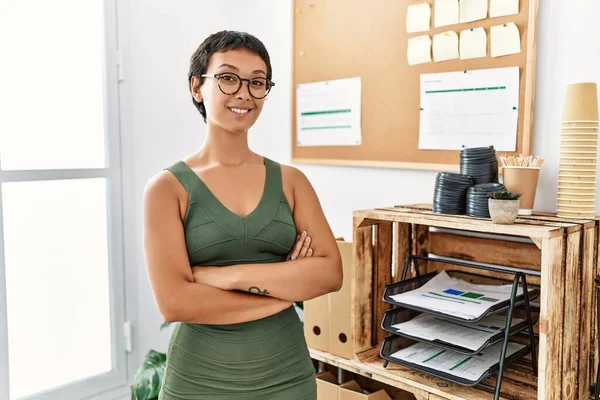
pixel 503 211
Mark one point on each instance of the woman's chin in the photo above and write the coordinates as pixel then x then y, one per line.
pixel 237 129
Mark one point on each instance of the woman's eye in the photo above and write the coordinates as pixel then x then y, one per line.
pixel 257 83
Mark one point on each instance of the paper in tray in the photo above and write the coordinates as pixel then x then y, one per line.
pixel 456 297
pixel 471 336
pixel 469 368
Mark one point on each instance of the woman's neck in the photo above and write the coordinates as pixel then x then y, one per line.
pixel 226 148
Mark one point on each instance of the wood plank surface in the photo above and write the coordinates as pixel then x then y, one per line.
pixel 402 247
pixel 469 224
pixel 521 220
pixel 594 338
pixel 587 310
pixel 551 318
pixel 382 276
pixel 420 246
pixel 571 310
pixel 369 364
pixel 361 289
pixel 492 251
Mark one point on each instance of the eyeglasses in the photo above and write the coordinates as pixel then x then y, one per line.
pixel 230 83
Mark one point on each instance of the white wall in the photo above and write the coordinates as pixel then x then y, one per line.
pixel 160 124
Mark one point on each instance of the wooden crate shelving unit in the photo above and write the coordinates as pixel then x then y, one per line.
pixel 564 250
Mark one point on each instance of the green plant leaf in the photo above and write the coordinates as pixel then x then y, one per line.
pixel 142 390
pixel 504 195
pixel 148 378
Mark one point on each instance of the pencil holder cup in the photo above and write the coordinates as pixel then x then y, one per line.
pixel 522 180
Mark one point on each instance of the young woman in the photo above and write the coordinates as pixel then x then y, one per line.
pixel 219 227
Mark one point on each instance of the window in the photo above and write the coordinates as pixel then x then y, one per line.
pixel 61 273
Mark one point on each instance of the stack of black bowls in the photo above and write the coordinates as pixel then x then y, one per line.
pixel 477 199
pixel 480 163
pixel 449 196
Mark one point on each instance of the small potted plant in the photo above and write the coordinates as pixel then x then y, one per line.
pixel 503 206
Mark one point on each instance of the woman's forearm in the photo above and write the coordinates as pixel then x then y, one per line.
pixel 296 280
pixel 203 304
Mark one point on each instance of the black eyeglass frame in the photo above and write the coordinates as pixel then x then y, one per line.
pixel 270 84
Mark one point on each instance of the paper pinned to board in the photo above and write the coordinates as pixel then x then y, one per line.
pixel 328 113
pixel 471 108
pixel 473 43
pixel 419 50
pixel 445 12
pixel 418 17
pixel 505 39
pixel 473 10
pixel 500 8
pixel 445 46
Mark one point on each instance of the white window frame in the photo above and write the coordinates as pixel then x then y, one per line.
pixel 113 384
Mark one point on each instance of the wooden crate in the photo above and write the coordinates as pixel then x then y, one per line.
pixel 564 252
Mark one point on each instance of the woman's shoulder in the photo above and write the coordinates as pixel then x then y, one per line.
pixel 294 179
pixel 291 174
pixel 164 183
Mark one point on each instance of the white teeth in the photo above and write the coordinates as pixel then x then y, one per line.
pixel 239 110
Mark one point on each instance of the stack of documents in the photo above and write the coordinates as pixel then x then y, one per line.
pixel 468 335
pixel 471 368
pixel 455 297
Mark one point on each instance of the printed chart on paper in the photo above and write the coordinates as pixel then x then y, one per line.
pixel 464 109
pixel 329 113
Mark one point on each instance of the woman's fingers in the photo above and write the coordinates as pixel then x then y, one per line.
pixel 305 247
pixel 300 247
pixel 297 246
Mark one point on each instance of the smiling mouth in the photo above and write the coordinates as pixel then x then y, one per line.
pixel 240 111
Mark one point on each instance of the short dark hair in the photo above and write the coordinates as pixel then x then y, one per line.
pixel 223 41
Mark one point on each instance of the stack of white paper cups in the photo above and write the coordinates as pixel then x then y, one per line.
pixel 578 152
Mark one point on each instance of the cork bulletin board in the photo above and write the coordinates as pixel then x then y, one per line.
pixel 335 39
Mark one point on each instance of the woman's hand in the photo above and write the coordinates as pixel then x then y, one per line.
pixel 222 277
pixel 301 248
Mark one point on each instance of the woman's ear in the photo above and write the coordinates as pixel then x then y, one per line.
pixel 195 87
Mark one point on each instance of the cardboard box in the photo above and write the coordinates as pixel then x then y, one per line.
pixel 327 387
pixel 316 323
pixel 352 391
pixel 340 339
pixel 327 319
pixel 373 386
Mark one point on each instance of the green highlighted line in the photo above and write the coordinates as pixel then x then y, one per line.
pixel 460 363
pixel 455 298
pixel 347 110
pixel 467 89
pixel 310 128
pixel 434 356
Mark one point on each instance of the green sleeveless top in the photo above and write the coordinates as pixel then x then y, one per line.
pixel 262 359
pixel 216 236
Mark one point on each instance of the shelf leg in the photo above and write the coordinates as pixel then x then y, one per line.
pixel 506 335
pixel 530 327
